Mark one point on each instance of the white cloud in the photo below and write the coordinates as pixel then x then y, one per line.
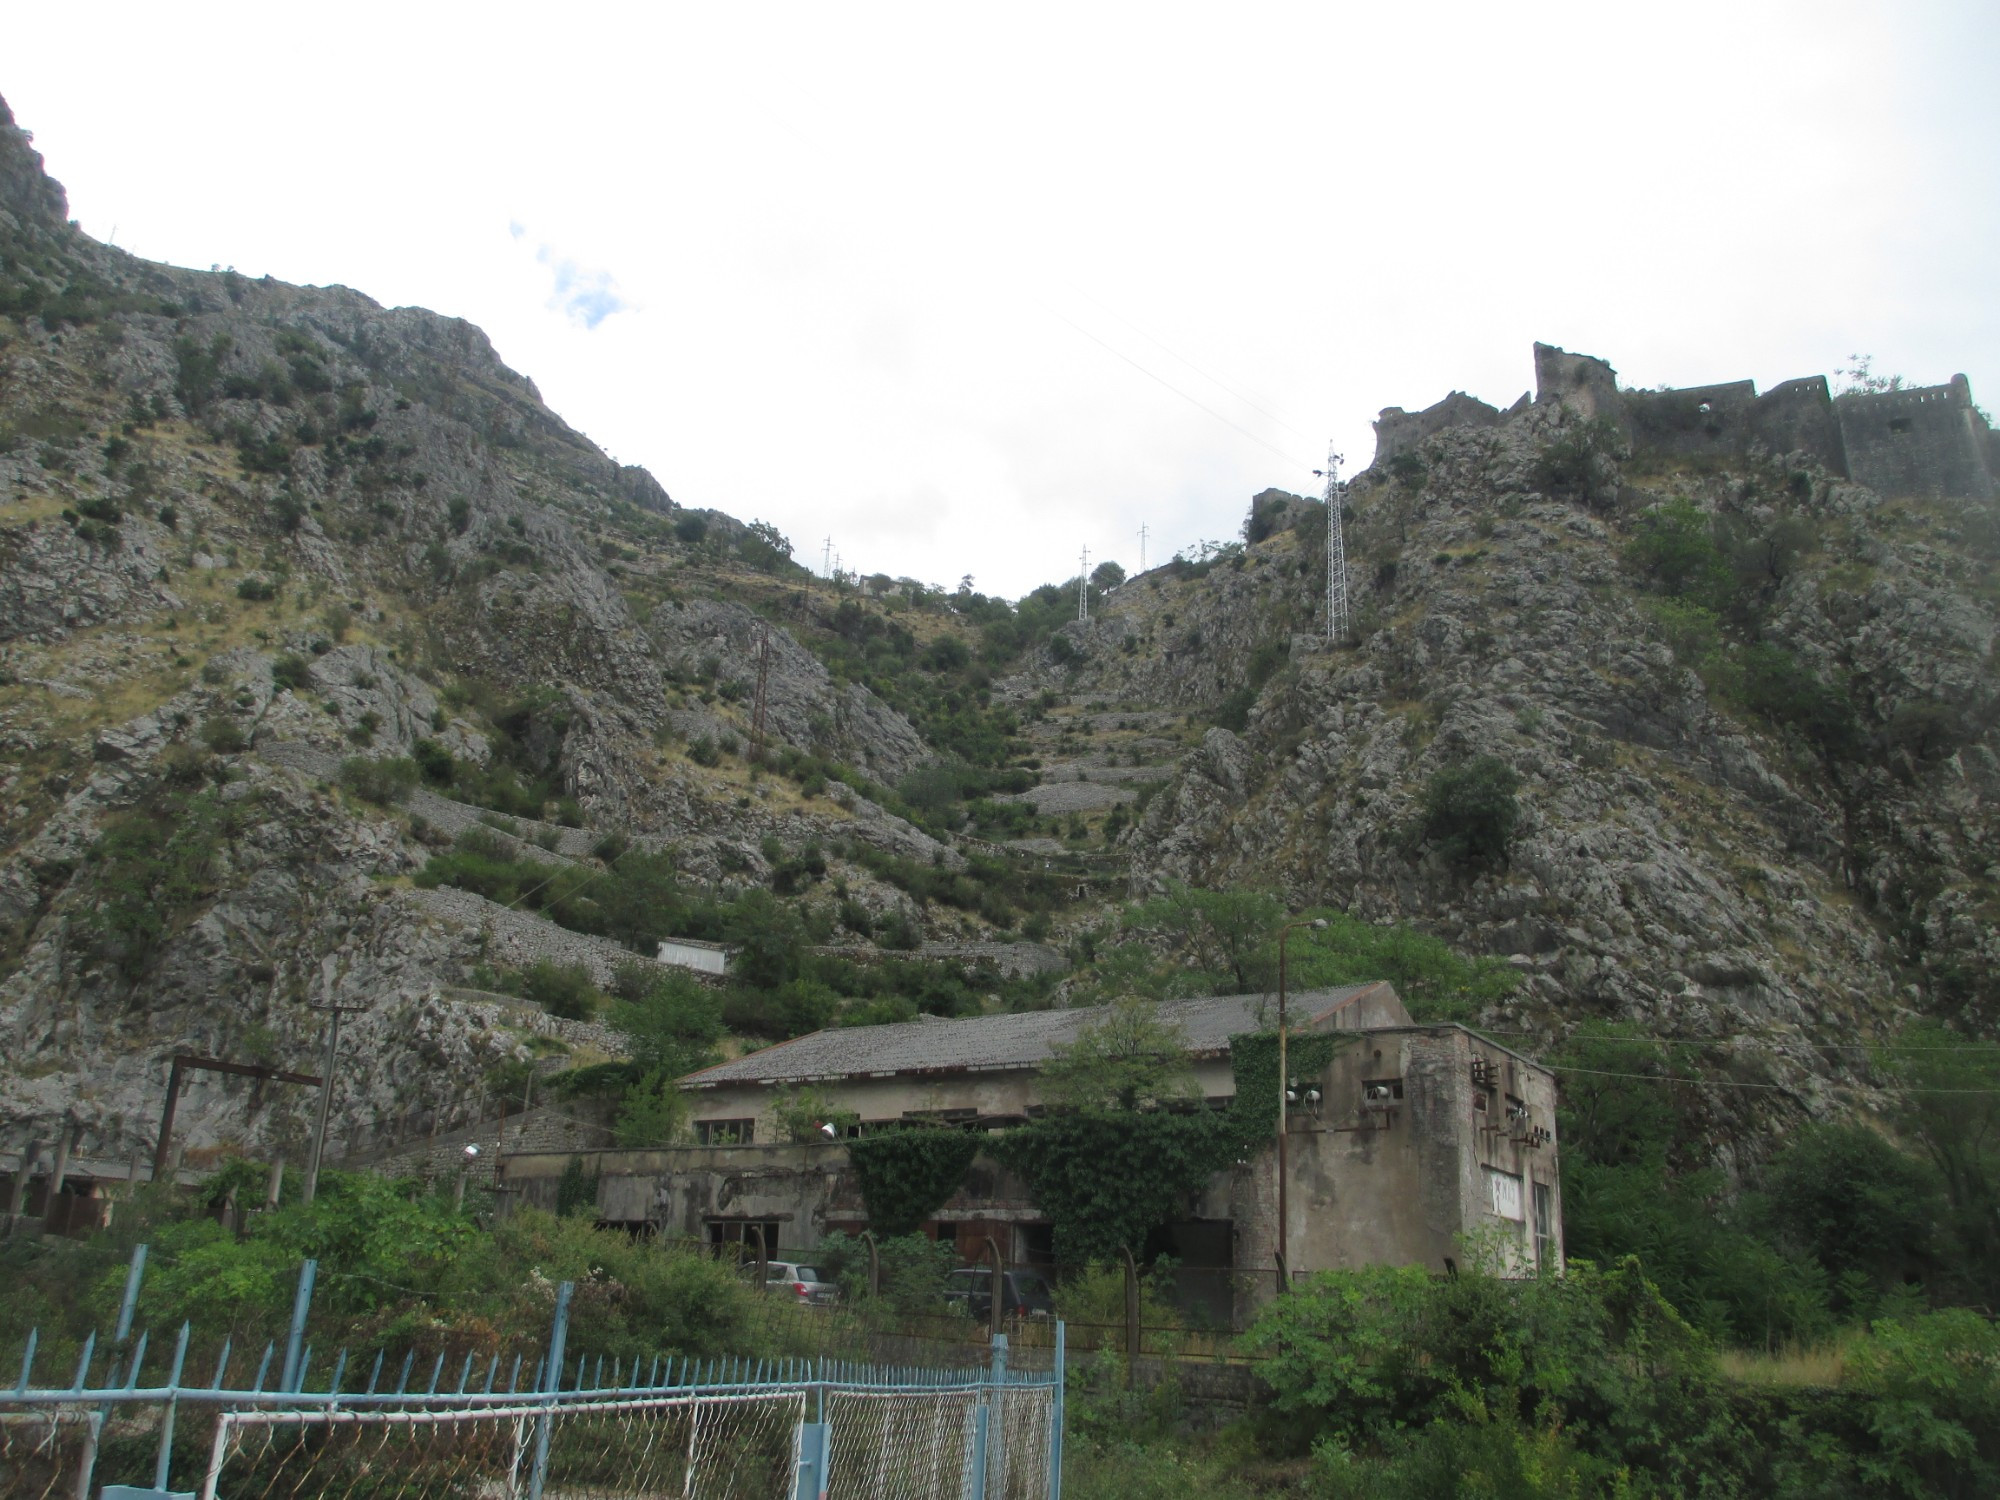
pixel 584 296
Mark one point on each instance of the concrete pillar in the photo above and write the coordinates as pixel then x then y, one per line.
pixel 52 1207
pixel 17 1201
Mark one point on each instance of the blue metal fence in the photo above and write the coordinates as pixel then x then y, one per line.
pixel 516 1428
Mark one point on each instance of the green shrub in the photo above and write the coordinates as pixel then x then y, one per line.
pixel 1675 552
pixel 257 589
pixel 291 672
pixel 1470 812
pixel 434 762
pixel 564 990
pixel 1580 463
pixel 224 735
pixel 383 782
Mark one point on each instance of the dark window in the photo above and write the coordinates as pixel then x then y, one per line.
pixel 1545 1226
pixel 724 1132
pixel 1899 424
pixel 1381 1091
pixel 743 1232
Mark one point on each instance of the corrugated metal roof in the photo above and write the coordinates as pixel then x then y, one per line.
pixel 1026 1039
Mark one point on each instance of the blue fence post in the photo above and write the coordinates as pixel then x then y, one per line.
pixel 551 1384
pixel 814 1447
pixel 996 1437
pixel 166 1456
pixel 131 1303
pixel 1056 1417
pixel 301 1304
pixel 977 1489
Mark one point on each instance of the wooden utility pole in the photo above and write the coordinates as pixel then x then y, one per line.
pixel 184 1061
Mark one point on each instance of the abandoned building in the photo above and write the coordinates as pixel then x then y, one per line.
pixel 1922 442
pixel 1412 1136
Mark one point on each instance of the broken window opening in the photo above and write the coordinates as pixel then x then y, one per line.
pixel 724 1132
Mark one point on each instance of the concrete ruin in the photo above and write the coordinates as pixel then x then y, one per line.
pixel 1927 442
pixel 1412 1138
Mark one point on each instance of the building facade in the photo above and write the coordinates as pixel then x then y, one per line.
pixel 1411 1141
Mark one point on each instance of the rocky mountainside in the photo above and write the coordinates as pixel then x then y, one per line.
pixel 336 670
pixel 248 530
pixel 1749 703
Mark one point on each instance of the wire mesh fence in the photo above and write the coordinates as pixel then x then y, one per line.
pixel 540 1426
pixel 723 1445
pixel 1167 1312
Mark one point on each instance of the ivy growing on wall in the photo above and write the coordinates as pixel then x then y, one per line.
pixel 1106 1178
pixel 906 1175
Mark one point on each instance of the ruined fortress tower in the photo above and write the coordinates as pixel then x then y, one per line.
pixel 1928 441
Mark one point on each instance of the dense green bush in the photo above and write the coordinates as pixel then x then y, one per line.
pixel 1580 462
pixel 1470 812
pixel 564 990
pixel 383 782
pixel 154 868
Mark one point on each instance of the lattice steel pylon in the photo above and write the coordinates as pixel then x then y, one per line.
pixel 1336 552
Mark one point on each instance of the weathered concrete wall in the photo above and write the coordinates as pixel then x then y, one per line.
pixel 1397 1182
pixel 1928 442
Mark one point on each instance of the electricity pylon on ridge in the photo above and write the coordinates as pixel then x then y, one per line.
pixel 1336 551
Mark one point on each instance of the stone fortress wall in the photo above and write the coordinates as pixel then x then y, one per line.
pixel 1928 441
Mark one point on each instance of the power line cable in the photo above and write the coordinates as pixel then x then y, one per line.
pixel 1726 1083
pixel 1183 359
pixel 1647 1041
pixel 1191 400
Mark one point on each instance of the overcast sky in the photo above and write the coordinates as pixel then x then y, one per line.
pixel 970 289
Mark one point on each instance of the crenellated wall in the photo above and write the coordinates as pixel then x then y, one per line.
pixel 1926 441
pixel 1930 441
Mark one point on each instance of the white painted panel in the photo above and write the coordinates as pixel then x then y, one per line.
pixel 1505 1189
pixel 687 956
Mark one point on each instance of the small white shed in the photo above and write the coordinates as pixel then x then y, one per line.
pixel 692 953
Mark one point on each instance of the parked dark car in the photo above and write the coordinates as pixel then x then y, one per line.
pixel 1025 1294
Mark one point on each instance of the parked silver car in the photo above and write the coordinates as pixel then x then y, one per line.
pixel 802 1283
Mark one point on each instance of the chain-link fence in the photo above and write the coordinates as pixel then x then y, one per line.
pixel 543 1426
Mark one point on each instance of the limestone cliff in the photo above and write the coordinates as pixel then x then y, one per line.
pixel 248 529
pixel 1751 704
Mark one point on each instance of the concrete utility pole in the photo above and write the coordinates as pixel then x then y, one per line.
pixel 334 1013
pixel 757 703
pixel 1142 546
pixel 1285 1094
pixel 1336 551
pixel 1083 586
pixel 60 1170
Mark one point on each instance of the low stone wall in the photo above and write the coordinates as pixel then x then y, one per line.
pixel 510 1010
